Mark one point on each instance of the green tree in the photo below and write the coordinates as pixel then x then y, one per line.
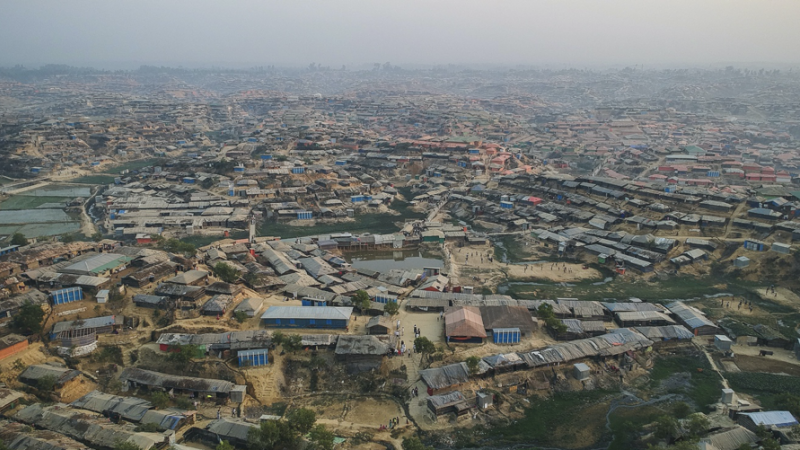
pixel 697 424
pixel 226 273
pixel 321 437
pixel 788 402
pixel 301 420
pixel 177 246
pixel 240 316
pixel 208 183
pixel 391 308
pixel 46 383
pixel 224 445
pixel 159 399
pixel 361 300
pixel 413 443
pixel 223 166
pixel 272 435
pixel 252 279
pixel 472 364
pixel 97 236
pixel 424 346
pixel 770 444
pixel 292 343
pixel 19 239
pixel 28 319
pixel 278 337
pixel 181 355
pixel 545 312
pixel 122 445
pixel 666 428
pixel 681 410
pixel 67 238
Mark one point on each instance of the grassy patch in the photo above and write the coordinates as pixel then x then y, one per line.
pixel 705 384
pixel 561 420
pixel 674 288
pixel 94 179
pixel 29 202
pixel 201 241
pixel 364 223
pixel 759 383
pixel 625 424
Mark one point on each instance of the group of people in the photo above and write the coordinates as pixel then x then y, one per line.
pixel 555 266
pixel 395 421
pixel 475 254
pixel 414 392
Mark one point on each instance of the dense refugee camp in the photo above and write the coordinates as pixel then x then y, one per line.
pixel 406 226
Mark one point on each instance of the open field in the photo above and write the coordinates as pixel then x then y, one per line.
pixel 94 179
pixel 570 420
pixel 619 289
pixel 17 202
pixel 373 223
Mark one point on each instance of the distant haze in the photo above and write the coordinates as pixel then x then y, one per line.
pixel 125 33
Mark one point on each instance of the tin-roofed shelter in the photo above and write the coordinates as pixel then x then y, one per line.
pixel 189 278
pixel 114 406
pixel 135 377
pixel 446 378
pixel 379 325
pixel 18 436
pixel 250 306
pixel 362 353
pixel 92 429
pixel 768 419
pixel 451 402
pixel 306 317
pixel 231 430
pixel 97 265
pixel 693 319
pixel 464 324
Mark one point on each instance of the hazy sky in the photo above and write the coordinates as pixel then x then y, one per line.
pixel 336 32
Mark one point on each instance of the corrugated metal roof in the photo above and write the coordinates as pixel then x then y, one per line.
pixel 308 312
pixel 165 381
pixel 776 418
pixel 92 322
pixel 442 377
pixel 230 428
pixel 130 408
pixel 464 321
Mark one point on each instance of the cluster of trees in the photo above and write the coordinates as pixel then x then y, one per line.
pixel 413 443
pixel 226 273
pixel 362 301
pixel 682 431
pixel 28 320
pixel 19 239
pixel 545 312
pixel 286 434
pixel 174 245
pixel 291 343
pixel 424 346
pixel 181 355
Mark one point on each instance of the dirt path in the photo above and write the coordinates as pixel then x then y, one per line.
pixel 735 213
pixel 88 227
